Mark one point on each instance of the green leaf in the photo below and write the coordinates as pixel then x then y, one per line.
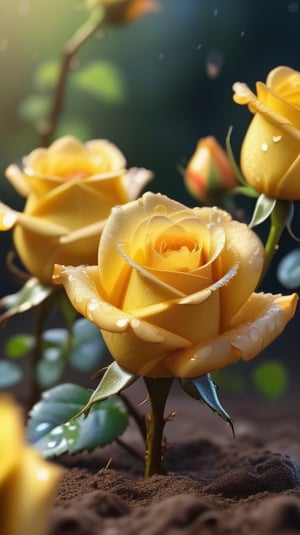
pixel 102 80
pixel 245 190
pixel 84 331
pixel 50 368
pixel 10 374
pixel 271 379
pixel 29 296
pixel 46 75
pixel 53 431
pixel 232 160
pixel 34 108
pixel 204 389
pixel 75 127
pixel 263 209
pixel 87 356
pixel 18 345
pixel 113 381
pixel 288 271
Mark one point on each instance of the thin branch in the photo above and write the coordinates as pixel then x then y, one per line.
pixel 89 28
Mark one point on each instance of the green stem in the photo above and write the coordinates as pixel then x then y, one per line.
pixel 279 218
pixel 158 391
pixel 89 28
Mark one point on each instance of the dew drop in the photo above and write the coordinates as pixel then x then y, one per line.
pixel 52 443
pixel 42 426
pixel 276 139
pixel 57 431
pixel 122 322
pixel 42 474
pixel 264 147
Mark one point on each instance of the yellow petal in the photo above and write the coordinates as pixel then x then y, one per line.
pixel 8 217
pixel 83 288
pixel 260 321
pixel 11 436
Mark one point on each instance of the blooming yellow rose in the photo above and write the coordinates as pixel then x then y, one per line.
pixel 27 481
pixel 270 156
pixel 70 189
pixel 173 289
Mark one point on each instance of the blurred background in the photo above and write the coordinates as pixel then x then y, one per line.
pixel 153 87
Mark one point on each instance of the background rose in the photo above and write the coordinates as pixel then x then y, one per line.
pixel 270 155
pixel 173 289
pixel 70 189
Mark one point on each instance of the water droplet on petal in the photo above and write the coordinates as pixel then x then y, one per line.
pixel 42 474
pixel 276 139
pixel 264 147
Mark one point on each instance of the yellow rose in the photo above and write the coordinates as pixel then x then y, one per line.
pixel 173 289
pixel 270 156
pixel 70 189
pixel 27 481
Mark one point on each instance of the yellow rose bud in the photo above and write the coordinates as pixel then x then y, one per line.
pixel 120 11
pixel 70 188
pixel 270 155
pixel 173 289
pixel 209 174
pixel 27 481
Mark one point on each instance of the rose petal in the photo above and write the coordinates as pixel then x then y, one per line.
pixel 260 321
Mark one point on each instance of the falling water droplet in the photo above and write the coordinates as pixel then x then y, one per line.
pixel 214 63
pixel 161 56
pixel 216 12
pixel 243 33
pixel 264 147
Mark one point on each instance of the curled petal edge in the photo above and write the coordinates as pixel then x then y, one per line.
pixel 253 328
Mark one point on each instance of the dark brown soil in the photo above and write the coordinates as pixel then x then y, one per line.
pixel 214 484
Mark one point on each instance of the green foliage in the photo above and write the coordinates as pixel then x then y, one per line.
pixel 113 381
pixel 34 108
pixel 75 127
pixel 54 429
pixel 271 379
pixel 10 374
pixel 288 271
pixel 204 389
pixel 18 345
pixel 46 75
pixel 263 209
pixel 82 348
pixel 103 80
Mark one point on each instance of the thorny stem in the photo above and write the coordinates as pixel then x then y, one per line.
pixel 158 391
pixel 279 218
pixel 47 128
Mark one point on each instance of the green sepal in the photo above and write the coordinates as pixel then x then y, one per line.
pixel 114 380
pixel 263 209
pixel 53 430
pixel 204 389
pixel 30 295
